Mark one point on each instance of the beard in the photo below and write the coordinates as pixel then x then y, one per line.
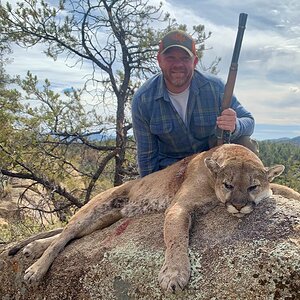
pixel 178 78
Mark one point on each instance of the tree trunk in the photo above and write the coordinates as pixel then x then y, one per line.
pixel 120 142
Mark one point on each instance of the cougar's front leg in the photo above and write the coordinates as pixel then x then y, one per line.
pixel 175 273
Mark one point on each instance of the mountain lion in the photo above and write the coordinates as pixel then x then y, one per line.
pixel 230 174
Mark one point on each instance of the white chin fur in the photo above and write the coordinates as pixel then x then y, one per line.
pixel 239 213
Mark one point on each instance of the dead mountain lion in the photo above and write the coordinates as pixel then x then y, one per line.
pixel 230 174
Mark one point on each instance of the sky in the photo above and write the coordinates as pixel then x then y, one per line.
pixel 268 80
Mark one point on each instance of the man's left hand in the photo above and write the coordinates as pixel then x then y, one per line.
pixel 227 120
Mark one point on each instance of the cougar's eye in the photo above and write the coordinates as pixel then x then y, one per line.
pixel 253 188
pixel 228 186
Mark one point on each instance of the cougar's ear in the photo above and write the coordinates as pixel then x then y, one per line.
pixel 212 165
pixel 274 171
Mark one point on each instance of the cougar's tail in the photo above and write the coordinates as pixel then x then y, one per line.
pixel 14 250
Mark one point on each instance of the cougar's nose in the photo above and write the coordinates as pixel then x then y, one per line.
pixel 238 206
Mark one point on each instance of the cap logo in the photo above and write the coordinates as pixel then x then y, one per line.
pixel 178 37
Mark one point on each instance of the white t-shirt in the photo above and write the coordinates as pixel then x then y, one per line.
pixel 180 102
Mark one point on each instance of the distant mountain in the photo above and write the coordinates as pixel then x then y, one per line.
pixel 294 141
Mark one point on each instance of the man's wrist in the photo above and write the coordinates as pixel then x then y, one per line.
pixel 235 133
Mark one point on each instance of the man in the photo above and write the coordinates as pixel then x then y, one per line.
pixel 175 113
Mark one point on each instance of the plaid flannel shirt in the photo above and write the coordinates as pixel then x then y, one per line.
pixel 161 135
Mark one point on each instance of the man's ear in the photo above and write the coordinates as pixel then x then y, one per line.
pixel 212 166
pixel 196 59
pixel 274 171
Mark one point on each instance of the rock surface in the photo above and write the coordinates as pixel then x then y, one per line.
pixel 257 257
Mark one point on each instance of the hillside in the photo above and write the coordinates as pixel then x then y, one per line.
pixel 294 141
pixel 287 153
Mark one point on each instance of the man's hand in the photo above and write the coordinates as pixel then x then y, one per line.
pixel 227 120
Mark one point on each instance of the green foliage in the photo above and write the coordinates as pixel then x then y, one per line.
pixel 286 154
pixel 18 230
pixel 32 126
pixel 9 98
pixel 44 138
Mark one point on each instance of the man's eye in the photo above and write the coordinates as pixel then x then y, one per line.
pixel 172 59
pixel 228 186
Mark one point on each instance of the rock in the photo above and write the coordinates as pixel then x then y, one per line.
pixel 3 223
pixel 257 257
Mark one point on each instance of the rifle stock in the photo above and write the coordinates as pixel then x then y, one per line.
pixel 222 135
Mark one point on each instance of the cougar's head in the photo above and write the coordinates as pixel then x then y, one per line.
pixel 241 185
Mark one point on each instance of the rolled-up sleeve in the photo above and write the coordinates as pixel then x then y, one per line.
pixel 245 121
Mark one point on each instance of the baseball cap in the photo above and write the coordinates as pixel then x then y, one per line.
pixel 178 38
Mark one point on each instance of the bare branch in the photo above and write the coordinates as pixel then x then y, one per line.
pixel 46 183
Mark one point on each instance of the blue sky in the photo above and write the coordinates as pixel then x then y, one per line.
pixel 268 82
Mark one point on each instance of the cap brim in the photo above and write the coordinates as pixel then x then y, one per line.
pixel 179 46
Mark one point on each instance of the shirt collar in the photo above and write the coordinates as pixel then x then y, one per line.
pixel 161 91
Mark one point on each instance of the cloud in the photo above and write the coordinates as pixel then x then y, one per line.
pixel 295 89
pixel 62 73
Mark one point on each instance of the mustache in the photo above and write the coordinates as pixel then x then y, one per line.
pixel 178 70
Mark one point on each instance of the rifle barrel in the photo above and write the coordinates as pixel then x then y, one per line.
pixel 239 37
pixel 229 87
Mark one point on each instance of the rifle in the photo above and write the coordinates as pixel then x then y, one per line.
pixel 223 136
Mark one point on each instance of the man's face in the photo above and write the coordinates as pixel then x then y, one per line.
pixel 177 67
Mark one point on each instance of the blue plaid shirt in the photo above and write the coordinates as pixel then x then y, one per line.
pixel 161 135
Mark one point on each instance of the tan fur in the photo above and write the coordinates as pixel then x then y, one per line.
pixel 284 191
pixel 230 174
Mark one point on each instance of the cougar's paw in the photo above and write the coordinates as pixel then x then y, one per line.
pixel 33 274
pixel 33 250
pixel 174 278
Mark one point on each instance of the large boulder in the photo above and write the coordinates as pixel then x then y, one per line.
pixel 257 257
